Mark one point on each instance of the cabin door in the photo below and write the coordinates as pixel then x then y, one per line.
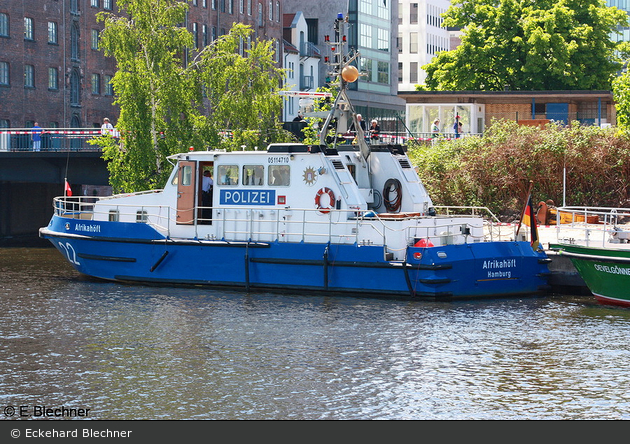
pixel 186 192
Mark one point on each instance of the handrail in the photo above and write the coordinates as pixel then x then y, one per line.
pixel 52 139
pixel 273 225
pixel 573 221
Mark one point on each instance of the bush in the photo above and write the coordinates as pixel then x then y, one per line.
pixel 495 170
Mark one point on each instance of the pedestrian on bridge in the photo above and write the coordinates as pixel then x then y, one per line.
pixel 36 137
pixel 107 128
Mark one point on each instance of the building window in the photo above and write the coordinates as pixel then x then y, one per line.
pixel 413 13
pixel 231 7
pixel 95 35
pixel 28 28
pixel 96 83
pixel 29 76
pixel 4 25
pixel 400 72
pixel 270 11
pixel 4 73
pixel 74 6
pixel 194 2
pixel 383 40
pixel 95 3
pixel 52 32
pixel 109 87
pixel 195 35
pixel 399 43
pixel 53 79
pixel 413 42
pixel 241 6
pixel 75 84
pixel 74 42
pixel 413 72
pixel 278 11
pixel 260 14
pixel 249 7
pixel 214 33
pixel 383 72
pixel 366 35
pixel 214 4
pixel 204 35
pixel 382 10
pixel 4 123
pixel 108 4
pixel 366 67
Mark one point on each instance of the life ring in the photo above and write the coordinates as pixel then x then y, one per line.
pixel 318 199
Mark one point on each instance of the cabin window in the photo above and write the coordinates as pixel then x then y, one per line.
pixel 113 216
pixel 142 217
pixel 227 175
pixel 253 175
pixel 186 175
pixel 279 175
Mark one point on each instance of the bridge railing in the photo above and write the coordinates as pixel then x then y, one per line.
pixel 51 139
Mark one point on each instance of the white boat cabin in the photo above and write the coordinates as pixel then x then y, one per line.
pixel 295 193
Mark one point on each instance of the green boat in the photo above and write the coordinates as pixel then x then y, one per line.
pixel 605 270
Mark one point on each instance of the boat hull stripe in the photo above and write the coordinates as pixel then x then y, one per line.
pixel 97 257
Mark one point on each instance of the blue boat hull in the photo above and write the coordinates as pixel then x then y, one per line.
pixel 137 253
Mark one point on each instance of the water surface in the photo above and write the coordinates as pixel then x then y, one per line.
pixel 140 352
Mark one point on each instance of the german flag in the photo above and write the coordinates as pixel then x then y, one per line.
pixel 529 218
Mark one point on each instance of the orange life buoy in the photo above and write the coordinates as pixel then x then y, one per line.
pixel 318 199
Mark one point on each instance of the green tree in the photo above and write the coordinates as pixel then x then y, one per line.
pixel 173 97
pixel 621 93
pixel 530 45
pixel 241 91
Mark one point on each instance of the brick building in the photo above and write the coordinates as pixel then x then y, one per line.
pixel 52 72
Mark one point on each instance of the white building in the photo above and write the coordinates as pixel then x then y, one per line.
pixel 301 60
pixel 420 37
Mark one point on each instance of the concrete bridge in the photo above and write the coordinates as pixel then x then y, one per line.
pixel 30 179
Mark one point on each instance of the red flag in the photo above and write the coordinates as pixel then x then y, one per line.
pixel 68 190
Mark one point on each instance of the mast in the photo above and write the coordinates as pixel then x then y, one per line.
pixel 342 114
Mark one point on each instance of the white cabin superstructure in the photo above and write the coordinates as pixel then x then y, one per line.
pixel 293 193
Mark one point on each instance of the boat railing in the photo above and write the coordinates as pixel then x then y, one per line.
pixel 590 226
pixel 494 228
pixel 284 224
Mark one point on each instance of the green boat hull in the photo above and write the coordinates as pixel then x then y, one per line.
pixel 606 271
